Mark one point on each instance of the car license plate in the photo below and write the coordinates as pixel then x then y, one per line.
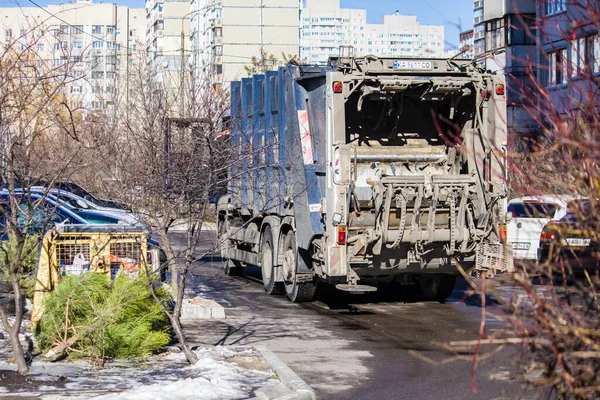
pixel 420 65
pixel 521 245
pixel 576 242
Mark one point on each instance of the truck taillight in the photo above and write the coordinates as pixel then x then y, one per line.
pixel 502 232
pixel 338 87
pixel 547 235
pixel 500 89
pixel 341 235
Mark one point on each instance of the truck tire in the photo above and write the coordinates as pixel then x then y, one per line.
pixel 267 264
pixel 230 267
pixel 436 286
pixel 295 292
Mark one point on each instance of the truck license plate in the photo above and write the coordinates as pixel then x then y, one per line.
pixel 521 245
pixel 576 241
pixel 420 65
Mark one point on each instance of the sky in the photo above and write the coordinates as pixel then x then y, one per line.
pixel 456 16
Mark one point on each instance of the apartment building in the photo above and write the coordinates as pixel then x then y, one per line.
pixel 569 53
pixel 326 26
pixel 90 42
pixel 466 44
pixel 478 28
pixel 226 34
pixel 508 46
pixel 167 38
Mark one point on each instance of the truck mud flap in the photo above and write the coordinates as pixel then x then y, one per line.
pixel 241 255
pixel 493 257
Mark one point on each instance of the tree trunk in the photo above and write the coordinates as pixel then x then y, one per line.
pixel 173 264
pixel 13 331
pixel 17 350
pixel 187 351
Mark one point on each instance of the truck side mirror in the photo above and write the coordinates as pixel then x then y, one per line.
pixel 508 217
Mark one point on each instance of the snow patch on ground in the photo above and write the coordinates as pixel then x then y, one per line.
pixel 216 380
pixel 214 376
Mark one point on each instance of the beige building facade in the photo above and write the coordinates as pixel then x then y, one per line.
pixel 226 34
pixel 166 46
pixel 92 43
pixel 326 26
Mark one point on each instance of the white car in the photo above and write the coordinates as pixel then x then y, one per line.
pixel 527 217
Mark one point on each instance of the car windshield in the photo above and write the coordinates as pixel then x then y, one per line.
pixel 532 210
pixel 96 218
pixel 70 203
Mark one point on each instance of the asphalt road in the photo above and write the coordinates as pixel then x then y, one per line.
pixel 358 346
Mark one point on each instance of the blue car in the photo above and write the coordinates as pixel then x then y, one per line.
pixel 45 211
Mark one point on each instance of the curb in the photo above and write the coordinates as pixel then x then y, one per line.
pixel 207 309
pixel 300 390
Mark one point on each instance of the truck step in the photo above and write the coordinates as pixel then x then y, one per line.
pixel 356 289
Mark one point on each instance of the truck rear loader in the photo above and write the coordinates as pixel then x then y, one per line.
pixel 366 171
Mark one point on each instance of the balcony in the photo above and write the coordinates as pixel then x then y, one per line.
pixel 477 4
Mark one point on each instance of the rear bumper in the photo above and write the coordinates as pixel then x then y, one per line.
pixel 576 260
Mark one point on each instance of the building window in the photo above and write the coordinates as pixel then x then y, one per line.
pixel 110 29
pixel 594 46
pixel 56 46
pixel 555 6
pixel 40 46
pixel 557 66
pixel 96 29
pixel 77 45
pixel 8 33
pixel 64 29
pixel 495 35
pixel 76 29
pixel 98 44
pixel 579 57
pixel 111 45
pixel 76 89
pixel 521 30
pixel 97 74
pixel 23 32
pixel 64 44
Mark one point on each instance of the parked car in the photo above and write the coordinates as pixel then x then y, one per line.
pixel 573 240
pixel 527 217
pixel 76 189
pixel 45 211
pixel 83 207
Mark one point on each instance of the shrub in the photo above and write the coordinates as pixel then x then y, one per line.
pixel 99 319
pixel 29 255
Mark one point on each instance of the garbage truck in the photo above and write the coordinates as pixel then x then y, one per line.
pixel 365 173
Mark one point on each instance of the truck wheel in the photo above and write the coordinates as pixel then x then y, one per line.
pixel 436 286
pixel 296 292
pixel 267 265
pixel 230 267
